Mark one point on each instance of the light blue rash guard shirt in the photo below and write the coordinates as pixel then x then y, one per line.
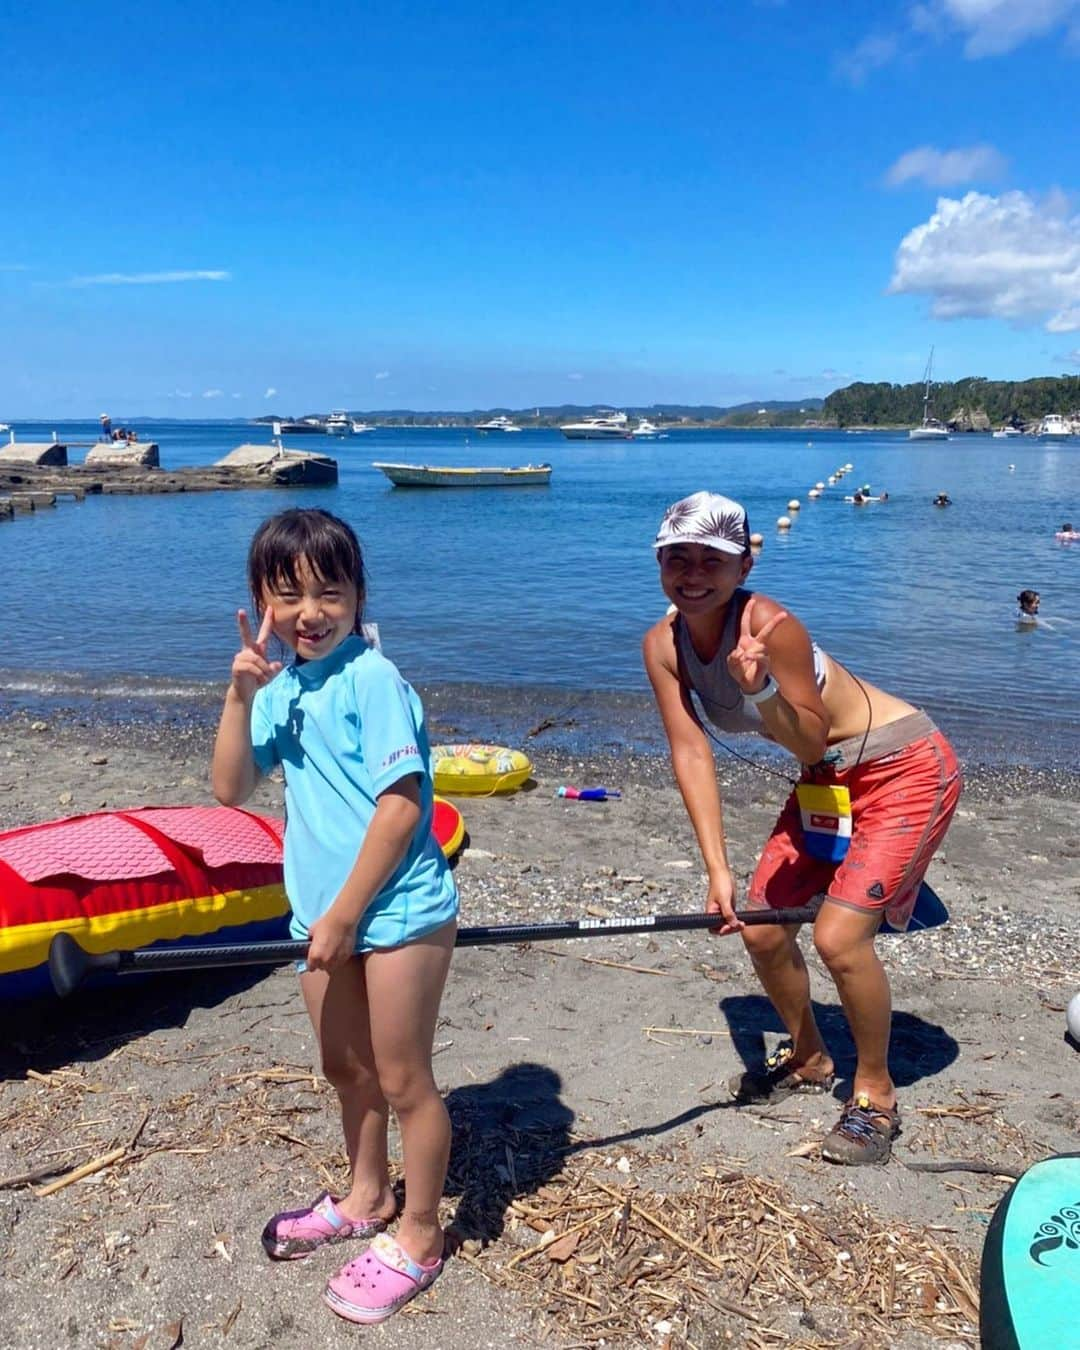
pixel 344 729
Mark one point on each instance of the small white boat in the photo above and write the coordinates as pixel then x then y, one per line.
pixel 309 426
pixel 931 429
pixel 1054 427
pixel 361 428
pixel 499 423
pixel 438 475
pixel 645 430
pixel 612 426
pixel 1006 433
pixel 4 427
pixel 339 424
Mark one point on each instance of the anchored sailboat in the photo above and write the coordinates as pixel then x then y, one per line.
pixel 931 429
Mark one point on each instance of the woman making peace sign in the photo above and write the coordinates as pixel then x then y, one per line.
pixel 878 788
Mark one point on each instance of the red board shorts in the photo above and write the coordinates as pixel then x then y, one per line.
pixel 904 790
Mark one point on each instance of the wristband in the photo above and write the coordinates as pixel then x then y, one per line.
pixel 768 690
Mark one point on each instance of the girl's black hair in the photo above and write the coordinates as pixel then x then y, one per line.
pixel 1026 597
pixel 330 546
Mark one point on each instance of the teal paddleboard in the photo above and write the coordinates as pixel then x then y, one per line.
pixel 1030 1294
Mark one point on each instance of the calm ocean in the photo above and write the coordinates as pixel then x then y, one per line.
pixel 507 605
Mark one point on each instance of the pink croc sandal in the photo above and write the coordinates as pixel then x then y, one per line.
pixel 379 1282
pixel 297 1232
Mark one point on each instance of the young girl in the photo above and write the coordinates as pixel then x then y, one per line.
pixel 368 886
pixel 875 771
pixel 1027 615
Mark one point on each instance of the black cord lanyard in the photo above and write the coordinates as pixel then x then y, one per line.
pixel 756 764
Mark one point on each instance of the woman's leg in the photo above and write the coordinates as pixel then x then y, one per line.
pixel 338 1007
pixel 786 875
pixel 778 962
pixel 844 939
pixel 405 987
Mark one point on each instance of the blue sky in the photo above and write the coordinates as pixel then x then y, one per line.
pixel 470 205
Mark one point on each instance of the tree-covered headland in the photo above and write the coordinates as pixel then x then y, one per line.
pixel 970 404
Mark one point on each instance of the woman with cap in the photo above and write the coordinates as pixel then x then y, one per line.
pixel 878 788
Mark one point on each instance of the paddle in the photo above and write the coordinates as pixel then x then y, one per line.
pixel 70 964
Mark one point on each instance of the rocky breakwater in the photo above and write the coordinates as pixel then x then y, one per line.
pixel 33 476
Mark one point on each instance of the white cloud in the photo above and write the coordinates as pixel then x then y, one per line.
pixel 986 28
pixel 575 375
pixel 946 168
pixel 180 393
pixel 146 278
pixel 993 27
pixel 1009 257
pixel 213 393
pixel 1071 358
pixel 869 55
pixel 382 374
pixel 238 396
pixel 270 392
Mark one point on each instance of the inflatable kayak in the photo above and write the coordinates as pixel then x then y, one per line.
pixel 119 880
pixel 478 770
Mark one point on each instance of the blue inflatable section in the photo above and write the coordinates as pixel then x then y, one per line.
pixel 35 982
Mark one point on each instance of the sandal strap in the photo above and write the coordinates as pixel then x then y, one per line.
pixel 863 1122
pixel 783 1054
pixel 391 1253
pixel 325 1208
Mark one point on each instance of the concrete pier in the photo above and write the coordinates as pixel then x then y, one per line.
pixel 52 453
pixel 35 475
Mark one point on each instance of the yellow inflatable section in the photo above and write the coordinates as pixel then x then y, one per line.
pixel 478 770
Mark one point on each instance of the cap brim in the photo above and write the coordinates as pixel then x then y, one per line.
pixel 719 545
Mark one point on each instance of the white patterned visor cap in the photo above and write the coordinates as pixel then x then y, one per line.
pixel 705 518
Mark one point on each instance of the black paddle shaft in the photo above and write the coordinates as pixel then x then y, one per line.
pixel 70 964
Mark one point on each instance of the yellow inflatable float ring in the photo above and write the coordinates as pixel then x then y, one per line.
pixel 478 770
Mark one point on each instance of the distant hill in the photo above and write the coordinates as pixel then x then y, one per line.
pixel 705 414
pixel 973 403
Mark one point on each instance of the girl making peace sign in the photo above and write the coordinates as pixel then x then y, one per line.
pixel 367 884
pixel 878 788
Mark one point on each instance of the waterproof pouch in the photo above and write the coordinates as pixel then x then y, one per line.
pixel 826 820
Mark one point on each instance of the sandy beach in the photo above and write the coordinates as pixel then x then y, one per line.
pixel 585 1082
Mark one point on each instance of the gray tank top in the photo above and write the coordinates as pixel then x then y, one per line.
pixel 721 697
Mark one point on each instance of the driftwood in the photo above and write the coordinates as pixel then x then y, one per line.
pixel 968 1165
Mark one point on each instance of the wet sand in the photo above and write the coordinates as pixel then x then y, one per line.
pixel 567 1067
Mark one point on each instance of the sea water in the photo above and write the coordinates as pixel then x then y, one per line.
pixel 507 605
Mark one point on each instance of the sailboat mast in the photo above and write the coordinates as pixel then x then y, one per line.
pixel 926 392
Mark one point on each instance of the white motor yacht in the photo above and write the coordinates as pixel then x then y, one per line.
pixel 339 424
pixel 1054 427
pixel 360 428
pixel 931 429
pixel 1007 433
pixel 498 423
pixel 645 430
pixel 611 426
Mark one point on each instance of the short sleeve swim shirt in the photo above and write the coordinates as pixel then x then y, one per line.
pixel 344 729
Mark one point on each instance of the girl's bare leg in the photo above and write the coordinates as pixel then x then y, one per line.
pixel 405 987
pixel 338 1007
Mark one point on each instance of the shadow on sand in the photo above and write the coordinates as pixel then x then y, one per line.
pixel 49 1033
pixel 918 1049
pixel 510 1136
